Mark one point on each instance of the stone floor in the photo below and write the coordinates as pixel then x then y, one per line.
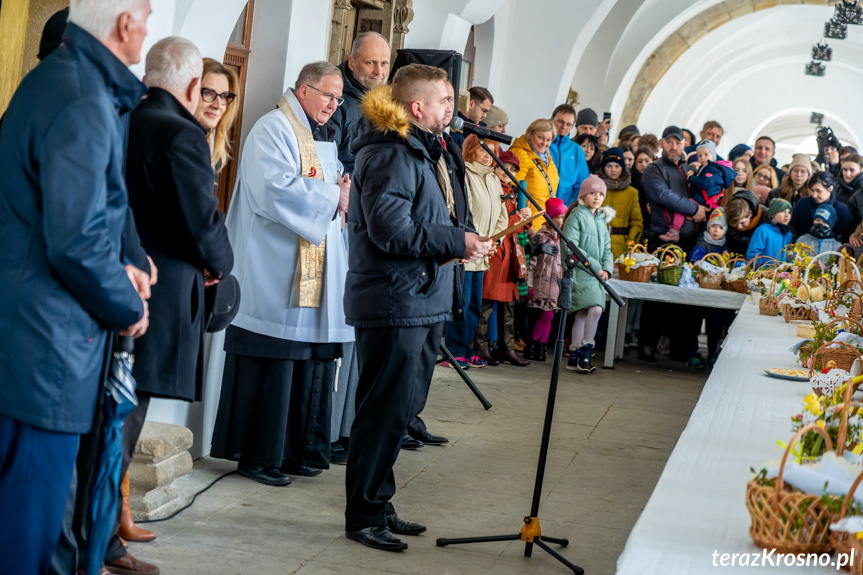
pixel 612 433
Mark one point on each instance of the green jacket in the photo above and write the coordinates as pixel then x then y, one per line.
pixel 590 234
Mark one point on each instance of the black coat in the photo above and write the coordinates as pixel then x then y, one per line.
pixel 171 193
pixel 852 195
pixel 399 228
pixel 345 121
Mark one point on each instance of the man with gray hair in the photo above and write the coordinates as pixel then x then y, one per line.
pixel 170 183
pixel 69 284
pixel 285 225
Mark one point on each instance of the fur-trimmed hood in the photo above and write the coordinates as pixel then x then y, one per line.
pixel 609 212
pixel 384 113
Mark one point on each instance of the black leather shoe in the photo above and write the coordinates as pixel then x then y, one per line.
pixel 377 538
pixel 427 438
pixel 265 476
pixel 338 454
pixel 401 527
pixel 409 442
pixel 301 470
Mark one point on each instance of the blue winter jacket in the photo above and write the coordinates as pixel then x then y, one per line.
pixel 768 240
pixel 63 210
pixel 571 168
pixel 709 183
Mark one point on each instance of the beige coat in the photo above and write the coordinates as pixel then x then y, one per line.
pixel 488 210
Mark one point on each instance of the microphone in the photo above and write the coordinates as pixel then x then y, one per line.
pixel 480 132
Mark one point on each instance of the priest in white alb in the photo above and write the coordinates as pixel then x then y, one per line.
pixel 285 223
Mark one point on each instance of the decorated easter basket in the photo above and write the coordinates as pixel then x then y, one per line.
pixel 783 517
pixel 639 274
pixel 671 260
pixel 737 285
pixel 708 280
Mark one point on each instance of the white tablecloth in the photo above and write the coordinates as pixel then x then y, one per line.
pixel 698 506
pixel 654 291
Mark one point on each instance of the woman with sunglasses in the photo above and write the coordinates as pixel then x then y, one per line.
pixel 217 109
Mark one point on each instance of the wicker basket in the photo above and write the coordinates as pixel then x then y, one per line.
pixel 769 305
pixel 839 352
pixel 640 274
pixel 791 313
pixel 710 281
pixel 669 273
pixel 739 286
pixel 773 509
pixel 843 291
pixel 843 543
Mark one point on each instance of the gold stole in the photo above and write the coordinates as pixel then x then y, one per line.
pixel 312 257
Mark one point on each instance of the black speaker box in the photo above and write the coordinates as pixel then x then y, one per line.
pixel 447 60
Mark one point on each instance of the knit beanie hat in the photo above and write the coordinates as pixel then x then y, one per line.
pixel 592 183
pixel 495 117
pixel 510 158
pixel 824 211
pixel 800 160
pixel 777 205
pixel 587 117
pixel 613 156
pixel 711 147
pixel 717 218
pixel 555 207
pixel 738 151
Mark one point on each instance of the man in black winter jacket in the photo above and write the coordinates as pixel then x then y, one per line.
pixel 405 228
pixel 367 67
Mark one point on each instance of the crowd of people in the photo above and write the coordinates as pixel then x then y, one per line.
pixel 357 240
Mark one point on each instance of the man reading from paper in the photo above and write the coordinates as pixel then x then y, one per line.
pixel 291 261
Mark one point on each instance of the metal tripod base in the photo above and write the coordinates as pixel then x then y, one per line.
pixel 530 534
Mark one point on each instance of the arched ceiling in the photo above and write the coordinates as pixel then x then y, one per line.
pixel 655 62
pixel 748 75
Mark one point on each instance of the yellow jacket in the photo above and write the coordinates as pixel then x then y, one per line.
pixel 623 198
pixel 534 181
pixel 488 210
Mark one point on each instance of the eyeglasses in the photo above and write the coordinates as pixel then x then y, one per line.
pixel 209 95
pixel 484 110
pixel 762 176
pixel 327 97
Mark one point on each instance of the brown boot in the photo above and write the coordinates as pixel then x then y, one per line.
pixel 128 530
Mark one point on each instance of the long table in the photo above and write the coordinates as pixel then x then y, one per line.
pixel 651 291
pixel 698 506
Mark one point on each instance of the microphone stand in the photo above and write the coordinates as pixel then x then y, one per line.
pixel 531 532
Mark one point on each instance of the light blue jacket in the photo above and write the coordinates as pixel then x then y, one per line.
pixel 571 167
pixel 768 240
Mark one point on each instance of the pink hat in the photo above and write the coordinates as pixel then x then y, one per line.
pixel 555 207
pixel 592 183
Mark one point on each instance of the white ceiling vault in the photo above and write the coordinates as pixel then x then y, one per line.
pixel 740 62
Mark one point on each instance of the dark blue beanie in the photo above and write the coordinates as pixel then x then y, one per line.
pixel 738 151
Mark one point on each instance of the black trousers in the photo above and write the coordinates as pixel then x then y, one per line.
pixel 392 390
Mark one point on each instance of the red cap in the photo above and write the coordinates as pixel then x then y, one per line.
pixel 510 158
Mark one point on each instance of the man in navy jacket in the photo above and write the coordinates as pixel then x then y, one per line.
pixel 63 211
